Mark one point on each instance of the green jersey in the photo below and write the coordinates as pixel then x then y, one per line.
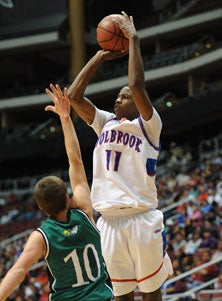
pixel 75 264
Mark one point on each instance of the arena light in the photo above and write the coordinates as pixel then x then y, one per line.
pixel 169 104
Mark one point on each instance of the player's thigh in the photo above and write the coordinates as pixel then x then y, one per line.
pixel 114 240
pixel 147 242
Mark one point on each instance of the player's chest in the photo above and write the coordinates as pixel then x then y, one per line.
pixel 121 136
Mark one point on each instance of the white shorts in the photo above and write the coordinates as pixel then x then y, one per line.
pixel 134 249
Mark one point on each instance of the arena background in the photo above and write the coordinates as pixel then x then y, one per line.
pixel 43 42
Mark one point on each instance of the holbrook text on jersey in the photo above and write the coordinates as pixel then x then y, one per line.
pixel 113 136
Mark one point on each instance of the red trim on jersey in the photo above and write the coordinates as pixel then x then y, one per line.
pixel 139 280
pixel 151 275
pixel 123 280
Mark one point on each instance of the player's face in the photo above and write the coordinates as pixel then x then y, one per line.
pixel 124 105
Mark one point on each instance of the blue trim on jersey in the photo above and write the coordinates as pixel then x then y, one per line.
pixel 164 242
pixel 146 136
pixel 151 166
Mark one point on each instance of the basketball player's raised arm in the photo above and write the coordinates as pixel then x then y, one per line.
pixel 77 175
pixel 136 69
pixel 82 105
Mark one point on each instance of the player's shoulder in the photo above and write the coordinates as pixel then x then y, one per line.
pixel 35 237
pixel 154 119
pixel 104 114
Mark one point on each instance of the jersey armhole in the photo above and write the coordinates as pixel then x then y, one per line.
pixel 46 241
pixel 157 148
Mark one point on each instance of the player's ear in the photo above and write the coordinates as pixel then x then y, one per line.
pixel 68 201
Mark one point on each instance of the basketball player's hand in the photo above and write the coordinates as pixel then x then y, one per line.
pixel 111 55
pixel 60 100
pixel 127 25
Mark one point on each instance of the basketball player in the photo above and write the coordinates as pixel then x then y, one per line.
pixel 124 168
pixel 68 239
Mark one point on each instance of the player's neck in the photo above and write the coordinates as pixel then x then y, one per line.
pixel 62 217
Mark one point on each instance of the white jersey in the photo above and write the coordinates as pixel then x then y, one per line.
pixel 124 163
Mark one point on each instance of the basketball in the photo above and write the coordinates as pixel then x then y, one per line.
pixel 109 35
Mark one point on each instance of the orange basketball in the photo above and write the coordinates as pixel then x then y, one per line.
pixel 109 36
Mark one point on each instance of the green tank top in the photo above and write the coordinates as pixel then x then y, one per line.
pixel 76 269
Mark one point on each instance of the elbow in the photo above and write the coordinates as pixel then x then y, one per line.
pixel 133 87
pixel 71 92
pixel 16 275
pixel 137 88
pixel 21 273
pixel 73 101
pixel 75 93
pixel 73 97
pixel 137 84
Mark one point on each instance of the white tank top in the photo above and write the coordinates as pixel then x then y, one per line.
pixel 124 163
